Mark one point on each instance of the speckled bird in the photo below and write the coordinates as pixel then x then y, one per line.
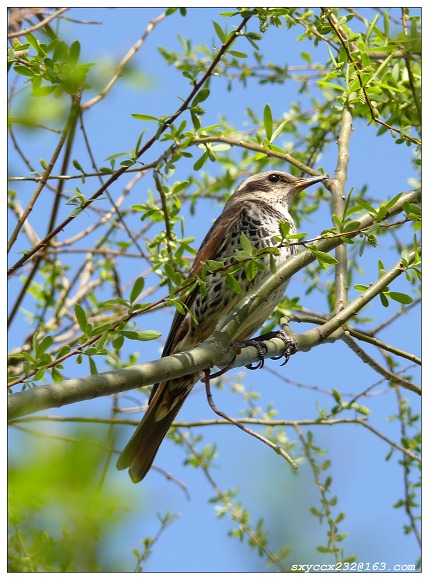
pixel 256 208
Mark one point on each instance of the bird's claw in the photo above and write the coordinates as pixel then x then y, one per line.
pixel 290 346
pixel 261 349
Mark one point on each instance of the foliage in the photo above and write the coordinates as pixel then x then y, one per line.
pixel 75 299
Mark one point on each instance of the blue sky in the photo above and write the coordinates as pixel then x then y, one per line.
pixel 366 484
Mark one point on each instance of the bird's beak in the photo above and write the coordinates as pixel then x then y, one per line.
pixel 303 183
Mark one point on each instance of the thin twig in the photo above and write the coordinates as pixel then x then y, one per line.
pixel 125 60
pixel 276 448
pixel 222 422
pixel 38 25
pixel 161 129
pixel 342 36
pixel 394 378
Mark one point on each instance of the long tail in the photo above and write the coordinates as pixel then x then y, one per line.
pixel 141 449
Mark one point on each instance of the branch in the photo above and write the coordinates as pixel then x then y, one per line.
pixel 39 25
pixel 163 127
pixel 68 130
pixel 337 186
pixel 239 424
pixel 343 38
pixel 125 60
pixel 222 422
pixel 213 352
pixel 388 375
pixel 254 300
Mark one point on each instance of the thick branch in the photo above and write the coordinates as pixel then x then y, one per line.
pixel 338 205
pixel 213 352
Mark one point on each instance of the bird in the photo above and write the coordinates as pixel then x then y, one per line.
pixel 257 208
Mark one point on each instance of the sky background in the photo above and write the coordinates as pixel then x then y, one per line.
pixel 367 485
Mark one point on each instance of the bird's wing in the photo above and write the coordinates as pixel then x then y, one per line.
pixel 216 236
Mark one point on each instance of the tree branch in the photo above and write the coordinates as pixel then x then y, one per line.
pixel 213 352
pixel 162 127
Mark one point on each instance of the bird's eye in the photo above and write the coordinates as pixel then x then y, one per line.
pixel 274 178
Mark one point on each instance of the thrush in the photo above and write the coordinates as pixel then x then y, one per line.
pixel 256 208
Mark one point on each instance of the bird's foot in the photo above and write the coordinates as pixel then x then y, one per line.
pixel 261 349
pixel 291 346
pixel 258 342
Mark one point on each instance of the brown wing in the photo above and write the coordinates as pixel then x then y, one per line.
pixel 216 236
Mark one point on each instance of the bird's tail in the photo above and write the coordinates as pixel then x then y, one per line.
pixel 141 449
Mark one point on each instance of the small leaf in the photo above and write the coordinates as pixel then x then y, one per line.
pixel 251 270
pixel 366 206
pixel 136 289
pixel 351 226
pixel 34 43
pixel 117 342
pixel 246 244
pixel 23 70
pixel 92 366
pixel 140 117
pixel 232 283
pixel 179 307
pixel 323 257
pixel 39 374
pixel 56 375
pixel 337 396
pixel 220 33
pixel 140 334
pixel 201 96
pixel 400 297
pixel 80 317
pixel 43 346
pixel 74 52
pixel 200 162
pixel 268 122
pixel 237 54
pixel 384 300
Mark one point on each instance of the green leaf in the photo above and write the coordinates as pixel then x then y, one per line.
pixel 99 345
pixel 400 297
pixel 34 43
pixel 40 373
pixel 74 52
pixel 246 244
pixel 201 96
pixel 136 289
pixel 384 300
pixel 200 162
pixel 56 375
pixel 268 122
pixel 80 317
pixel 140 117
pixel 278 130
pixel 251 270
pixel 117 342
pixel 142 335
pixel 179 307
pixel 23 70
pixel 238 54
pixel 232 283
pixel 351 226
pixel 219 31
pixel 323 257
pixel 366 206
pixel 43 346
pixel 337 396
pixel 92 366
